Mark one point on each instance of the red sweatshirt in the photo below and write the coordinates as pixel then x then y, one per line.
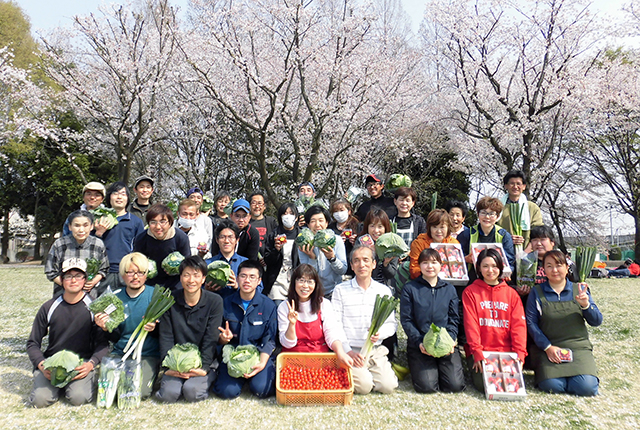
pixel 494 319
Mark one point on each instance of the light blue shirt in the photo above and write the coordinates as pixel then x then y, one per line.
pixel 330 273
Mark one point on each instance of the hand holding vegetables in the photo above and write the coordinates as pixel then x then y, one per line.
pixel 358 359
pixel 258 367
pixel 553 354
pixel 88 286
pixel 45 372
pixel 308 249
pixel 328 252
pixel 83 370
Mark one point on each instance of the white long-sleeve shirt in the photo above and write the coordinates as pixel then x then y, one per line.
pixel 353 306
pixel 331 328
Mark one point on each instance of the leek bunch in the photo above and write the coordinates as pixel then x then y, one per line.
pixel 585 257
pixel 384 306
pixel 161 301
pixel 515 212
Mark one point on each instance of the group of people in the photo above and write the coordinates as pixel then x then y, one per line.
pixel 306 298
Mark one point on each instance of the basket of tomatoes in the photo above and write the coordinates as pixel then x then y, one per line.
pixel 312 379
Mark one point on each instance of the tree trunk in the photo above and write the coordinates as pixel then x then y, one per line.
pixel 636 249
pixel 36 248
pixel 5 238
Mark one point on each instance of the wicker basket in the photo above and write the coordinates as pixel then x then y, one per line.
pixel 309 397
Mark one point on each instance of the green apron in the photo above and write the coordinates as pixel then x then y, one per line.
pixel 564 326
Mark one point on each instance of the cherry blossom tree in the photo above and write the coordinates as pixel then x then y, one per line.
pixel 609 137
pixel 506 74
pixel 113 68
pixel 309 89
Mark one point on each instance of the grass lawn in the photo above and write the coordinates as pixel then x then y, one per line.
pixel 616 348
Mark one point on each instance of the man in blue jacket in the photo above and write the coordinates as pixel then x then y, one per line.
pixel 250 319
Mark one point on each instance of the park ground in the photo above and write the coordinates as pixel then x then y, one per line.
pixel 616 348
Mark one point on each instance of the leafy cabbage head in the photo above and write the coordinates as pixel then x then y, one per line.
pixel 183 358
pixel 391 245
pixel 219 273
pixel 437 342
pixel 62 365
pixel 171 263
pixel 396 181
pixel 153 269
pixel 240 360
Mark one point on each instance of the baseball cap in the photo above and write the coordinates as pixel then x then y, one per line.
pixel 74 263
pixel 241 204
pixel 95 186
pixel 372 178
pixel 194 190
pixel 142 178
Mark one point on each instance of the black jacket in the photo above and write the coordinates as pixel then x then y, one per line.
pixel 274 258
pixel 421 305
pixel 198 325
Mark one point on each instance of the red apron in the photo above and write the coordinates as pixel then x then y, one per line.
pixel 310 337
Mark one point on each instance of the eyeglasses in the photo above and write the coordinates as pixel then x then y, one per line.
pixel 488 214
pixel 257 204
pixel 249 277
pixel 372 184
pixel 120 193
pixel 309 282
pixel 229 237
pixel 162 222
pixel 70 277
pixel 133 273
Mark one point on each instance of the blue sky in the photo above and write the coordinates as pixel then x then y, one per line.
pixel 48 14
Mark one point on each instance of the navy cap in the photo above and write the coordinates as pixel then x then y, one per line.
pixel 195 190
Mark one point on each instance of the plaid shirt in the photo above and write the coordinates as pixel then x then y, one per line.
pixel 67 247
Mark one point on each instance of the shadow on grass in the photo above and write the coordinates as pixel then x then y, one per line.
pixel 16 383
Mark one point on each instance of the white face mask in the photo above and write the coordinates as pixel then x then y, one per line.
pixel 341 216
pixel 186 223
pixel 288 221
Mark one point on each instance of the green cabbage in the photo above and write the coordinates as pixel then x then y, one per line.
pixel 62 365
pixel 396 181
pixel 240 360
pixel 102 214
pixel 207 204
pixel 174 208
pixel 325 239
pixel 391 245
pixel 219 272
pixel 153 269
pixel 183 358
pixel 229 207
pixel 112 305
pixel 305 237
pixel 437 342
pixel 171 263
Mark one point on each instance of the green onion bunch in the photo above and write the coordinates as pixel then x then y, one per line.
pixel 384 306
pixel 161 301
pixel 585 257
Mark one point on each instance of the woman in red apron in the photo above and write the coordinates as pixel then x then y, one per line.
pixel 306 321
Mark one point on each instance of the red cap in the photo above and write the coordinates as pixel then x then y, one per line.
pixel 372 178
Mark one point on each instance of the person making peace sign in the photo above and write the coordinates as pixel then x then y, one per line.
pixel 306 321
